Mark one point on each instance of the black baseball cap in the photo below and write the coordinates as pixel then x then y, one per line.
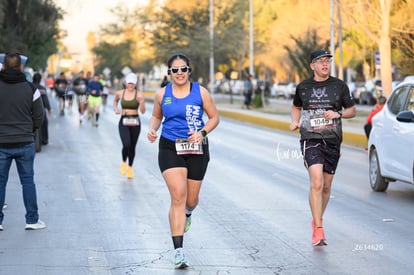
pixel 319 53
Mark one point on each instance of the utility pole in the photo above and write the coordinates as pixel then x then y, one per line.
pixel 341 56
pixel 333 70
pixel 251 68
pixel 212 46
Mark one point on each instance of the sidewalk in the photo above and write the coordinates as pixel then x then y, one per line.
pixel 276 115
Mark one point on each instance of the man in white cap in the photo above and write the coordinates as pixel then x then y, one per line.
pixel 319 104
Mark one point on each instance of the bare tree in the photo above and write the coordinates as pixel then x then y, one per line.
pixel 373 19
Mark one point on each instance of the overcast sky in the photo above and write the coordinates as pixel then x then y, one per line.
pixel 83 16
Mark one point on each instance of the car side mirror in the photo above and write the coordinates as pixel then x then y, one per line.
pixel 405 116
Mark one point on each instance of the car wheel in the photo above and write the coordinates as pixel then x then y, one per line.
pixel 378 182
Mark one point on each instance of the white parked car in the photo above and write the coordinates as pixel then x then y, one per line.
pixel 283 90
pixel 391 141
pixel 224 86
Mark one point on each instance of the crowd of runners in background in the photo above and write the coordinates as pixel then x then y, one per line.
pixel 89 90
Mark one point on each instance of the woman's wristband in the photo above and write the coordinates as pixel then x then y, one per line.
pixel 203 133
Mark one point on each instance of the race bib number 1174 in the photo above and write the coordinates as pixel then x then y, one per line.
pixel 184 147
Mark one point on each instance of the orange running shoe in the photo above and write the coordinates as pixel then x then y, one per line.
pixel 130 172
pixel 318 237
pixel 313 224
pixel 123 169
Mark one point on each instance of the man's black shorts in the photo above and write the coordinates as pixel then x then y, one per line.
pixel 317 151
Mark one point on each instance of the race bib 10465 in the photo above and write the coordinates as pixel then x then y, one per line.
pixel 319 122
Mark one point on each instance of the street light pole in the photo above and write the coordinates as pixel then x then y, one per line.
pixel 251 68
pixel 333 71
pixel 212 46
pixel 340 65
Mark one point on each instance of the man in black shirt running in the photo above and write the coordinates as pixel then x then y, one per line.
pixel 319 104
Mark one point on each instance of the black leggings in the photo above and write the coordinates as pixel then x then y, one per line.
pixel 129 138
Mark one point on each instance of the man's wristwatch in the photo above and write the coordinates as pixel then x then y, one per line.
pixel 340 114
pixel 203 133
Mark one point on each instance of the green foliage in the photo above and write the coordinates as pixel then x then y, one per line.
pixel 182 32
pixel 114 56
pixel 173 28
pixel 299 55
pixel 403 50
pixel 281 43
pixel 231 45
pixel 257 101
pixel 30 27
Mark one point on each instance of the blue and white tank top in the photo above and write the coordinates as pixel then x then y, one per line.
pixel 181 115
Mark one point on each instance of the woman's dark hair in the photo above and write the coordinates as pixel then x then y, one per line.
pixel 37 77
pixel 178 56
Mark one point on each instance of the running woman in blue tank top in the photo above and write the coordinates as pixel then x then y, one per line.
pixel 183 146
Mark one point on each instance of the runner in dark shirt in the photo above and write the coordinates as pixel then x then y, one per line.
pixel 318 107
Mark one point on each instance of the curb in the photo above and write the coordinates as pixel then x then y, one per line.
pixel 349 138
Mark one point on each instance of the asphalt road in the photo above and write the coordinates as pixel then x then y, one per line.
pixel 253 216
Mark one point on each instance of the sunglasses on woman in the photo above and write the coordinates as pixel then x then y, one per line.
pixel 175 70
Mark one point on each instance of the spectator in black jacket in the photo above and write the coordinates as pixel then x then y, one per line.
pixel 21 112
pixel 44 132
